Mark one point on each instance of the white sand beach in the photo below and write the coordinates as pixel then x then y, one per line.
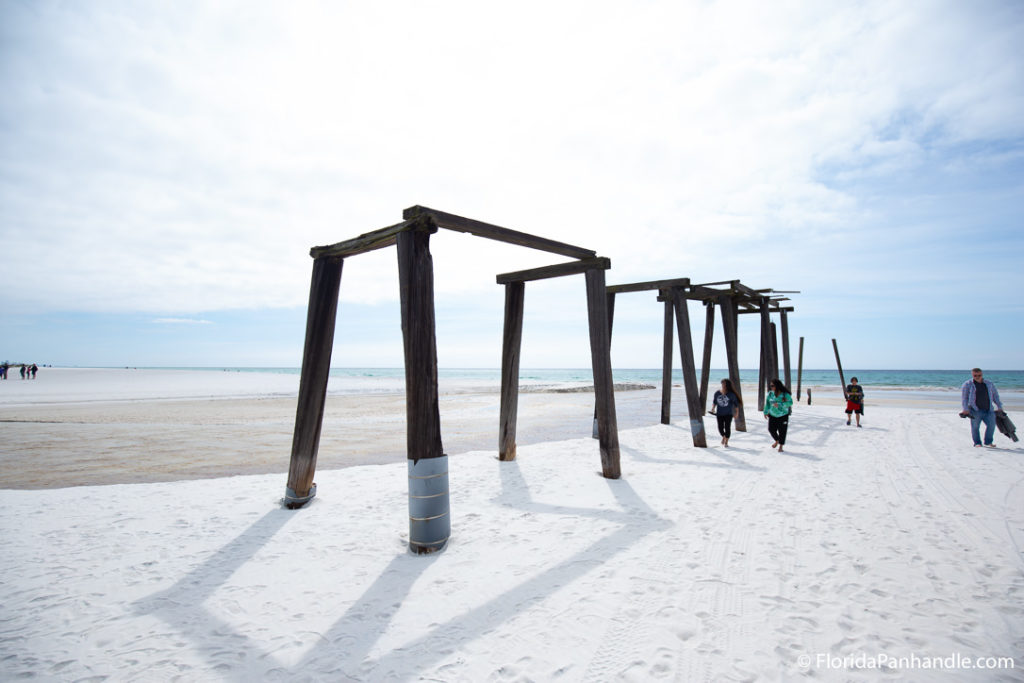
pixel 891 552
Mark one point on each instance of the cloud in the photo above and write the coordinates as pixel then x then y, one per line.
pixel 183 158
pixel 181 321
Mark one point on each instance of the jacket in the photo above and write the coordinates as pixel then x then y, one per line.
pixel 778 406
pixel 969 393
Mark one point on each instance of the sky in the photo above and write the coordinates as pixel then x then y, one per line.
pixel 165 168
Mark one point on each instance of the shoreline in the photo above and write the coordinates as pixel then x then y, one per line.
pixel 116 427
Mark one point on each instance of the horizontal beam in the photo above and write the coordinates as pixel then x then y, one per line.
pixel 558 270
pixel 494 232
pixel 647 286
pixel 378 239
pixel 787 309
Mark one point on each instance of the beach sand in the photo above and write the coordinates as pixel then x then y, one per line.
pixel 891 552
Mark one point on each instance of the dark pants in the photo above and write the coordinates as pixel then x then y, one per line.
pixel 777 427
pixel 724 425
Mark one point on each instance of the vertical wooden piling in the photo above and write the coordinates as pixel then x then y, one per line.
pixel 799 367
pixel 765 371
pixel 705 366
pixel 731 334
pixel 510 352
pixel 321 316
pixel 775 352
pixel 600 355
pixel 842 380
pixel 689 372
pixel 785 349
pixel 610 302
pixel 666 367
pixel 429 511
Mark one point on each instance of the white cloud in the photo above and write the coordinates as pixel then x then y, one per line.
pixel 181 321
pixel 183 158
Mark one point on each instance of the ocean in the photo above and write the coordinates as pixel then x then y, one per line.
pixel 887 379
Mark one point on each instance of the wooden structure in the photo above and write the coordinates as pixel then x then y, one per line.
pixel 429 519
pixel 733 298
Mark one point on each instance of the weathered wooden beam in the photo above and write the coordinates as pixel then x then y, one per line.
pixel 557 270
pixel 666 367
pixel 730 332
pixel 648 286
pixel 705 366
pixel 842 380
pixel 600 355
pixel 689 373
pixel 510 349
pixel 800 368
pixel 429 509
pixel 369 241
pixel 775 352
pixel 788 309
pixel 763 366
pixel 731 283
pixel 784 322
pixel 321 316
pixel 610 303
pixel 494 232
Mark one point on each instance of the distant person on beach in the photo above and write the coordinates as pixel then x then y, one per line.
pixel 3 370
pixel 725 401
pixel 854 400
pixel 979 400
pixel 34 369
pixel 22 372
pixel 777 407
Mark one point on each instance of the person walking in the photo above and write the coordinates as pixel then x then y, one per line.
pixel 725 401
pixel 777 407
pixel 979 400
pixel 854 400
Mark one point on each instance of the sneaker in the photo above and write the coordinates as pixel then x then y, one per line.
pixel 847 423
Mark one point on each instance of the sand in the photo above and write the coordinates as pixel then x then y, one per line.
pixel 891 552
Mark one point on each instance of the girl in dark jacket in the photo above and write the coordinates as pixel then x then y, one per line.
pixel 725 401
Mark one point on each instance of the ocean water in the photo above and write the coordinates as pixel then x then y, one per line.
pixel 355 378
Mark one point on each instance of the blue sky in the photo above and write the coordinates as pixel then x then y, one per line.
pixel 165 168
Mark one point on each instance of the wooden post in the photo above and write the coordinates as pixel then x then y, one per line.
pixel 800 369
pixel 321 316
pixel 763 377
pixel 731 334
pixel 601 360
pixel 429 511
pixel 705 367
pixel 689 372
pixel 785 350
pixel 510 350
pixel 610 302
pixel 842 380
pixel 666 367
pixel 775 352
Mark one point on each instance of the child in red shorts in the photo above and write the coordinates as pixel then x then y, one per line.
pixel 854 400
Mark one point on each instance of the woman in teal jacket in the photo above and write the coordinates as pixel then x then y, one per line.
pixel 777 407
